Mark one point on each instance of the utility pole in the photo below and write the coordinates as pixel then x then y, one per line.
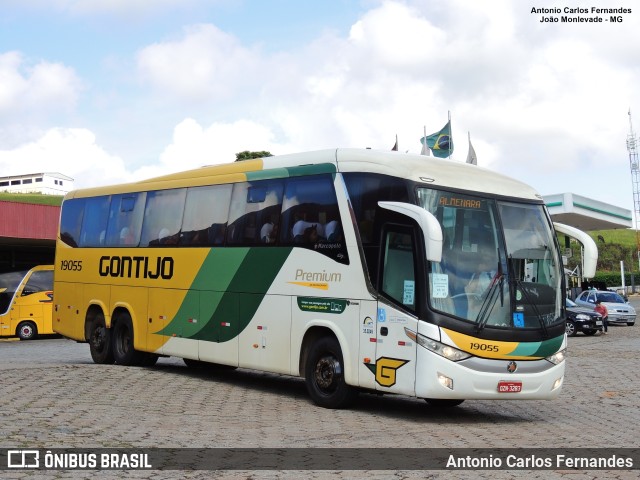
pixel 635 181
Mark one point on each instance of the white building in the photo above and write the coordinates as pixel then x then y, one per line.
pixel 50 183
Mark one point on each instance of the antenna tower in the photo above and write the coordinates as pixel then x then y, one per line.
pixel 635 180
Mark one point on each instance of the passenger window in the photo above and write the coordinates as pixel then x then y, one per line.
pixel 206 212
pixel 163 217
pixel 254 217
pixel 94 226
pixel 311 218
pixel 125 219
pixel 71 221
pixel 398 269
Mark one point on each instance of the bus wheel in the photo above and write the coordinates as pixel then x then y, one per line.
pixel 27 331
pixel 100 341
pixel 443 402
pixel 122 343
pixel 324 375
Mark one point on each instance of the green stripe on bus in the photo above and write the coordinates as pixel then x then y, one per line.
pixel 286 172
pixel 538 349
pixel 227 292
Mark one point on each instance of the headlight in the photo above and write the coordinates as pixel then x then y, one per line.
pixel 582 316
pixel 558 357
pixel 446 351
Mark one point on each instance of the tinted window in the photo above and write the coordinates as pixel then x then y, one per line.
pixel 398 269
pixel 254 217
pixel 125 219
pixel 163 217
pixel 310 217
pixel 38 282
pixel 94 226
pixel 205 215
pixel 71 221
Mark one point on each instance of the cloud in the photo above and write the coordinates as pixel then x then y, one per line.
pixel 204 64
pixel 35 90
pixel 72 152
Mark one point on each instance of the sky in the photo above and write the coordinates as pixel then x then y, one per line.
pixel 110 91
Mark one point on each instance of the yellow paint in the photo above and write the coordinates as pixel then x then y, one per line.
pixel 318 285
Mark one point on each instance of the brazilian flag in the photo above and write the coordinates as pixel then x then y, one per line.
pixel 440 143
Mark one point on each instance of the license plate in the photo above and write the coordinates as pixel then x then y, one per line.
pixel 509 387
pixel 599 323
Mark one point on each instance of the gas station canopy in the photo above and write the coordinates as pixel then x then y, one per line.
pixel 585 213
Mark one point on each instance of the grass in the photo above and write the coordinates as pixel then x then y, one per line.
pixel 33 198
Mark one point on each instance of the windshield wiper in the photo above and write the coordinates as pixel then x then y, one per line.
pixel 487 305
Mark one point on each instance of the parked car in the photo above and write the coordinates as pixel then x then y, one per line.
pixel 620 312
pixel 582 319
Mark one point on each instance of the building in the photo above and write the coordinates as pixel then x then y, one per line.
pixel 50 183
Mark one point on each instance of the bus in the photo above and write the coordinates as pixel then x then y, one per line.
pixel 26 301
pixel 357 270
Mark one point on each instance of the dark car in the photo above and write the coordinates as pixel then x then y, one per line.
pixel 581 319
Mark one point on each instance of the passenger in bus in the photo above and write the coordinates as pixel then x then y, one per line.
pixel 333 231
pixel 127 237
pixel 269 232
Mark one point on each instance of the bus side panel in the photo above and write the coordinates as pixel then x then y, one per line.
pixel 164 306
pixel 37 308
pixel 218 340
pixel 265 344
pixel 68 318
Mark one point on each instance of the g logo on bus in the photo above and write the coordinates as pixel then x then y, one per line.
pixel 385 370
pixel 512 367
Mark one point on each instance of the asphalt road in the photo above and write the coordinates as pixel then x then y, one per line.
pixel 53 396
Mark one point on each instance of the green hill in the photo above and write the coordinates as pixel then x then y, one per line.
pixel 37 198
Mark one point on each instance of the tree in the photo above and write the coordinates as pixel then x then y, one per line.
pixel 247 155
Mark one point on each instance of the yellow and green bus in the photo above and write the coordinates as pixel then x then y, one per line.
pixel 26 300
pixel 356 269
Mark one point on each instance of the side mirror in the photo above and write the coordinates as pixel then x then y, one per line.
pixel 428 223
pixel 590 248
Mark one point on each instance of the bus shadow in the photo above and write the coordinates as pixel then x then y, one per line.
pixel 386 406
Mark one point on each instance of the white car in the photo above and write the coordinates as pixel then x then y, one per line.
pixel 619 310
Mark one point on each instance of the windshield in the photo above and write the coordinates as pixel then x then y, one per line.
pixel 610 297
pixel 9 283
pixel 499 266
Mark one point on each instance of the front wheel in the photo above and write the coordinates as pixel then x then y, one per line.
pixel 100 341
pixel 324 375
pixel 570 328
pixel 27 331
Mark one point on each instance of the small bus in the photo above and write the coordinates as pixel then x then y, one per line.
pixel 26 301
pixel 357 270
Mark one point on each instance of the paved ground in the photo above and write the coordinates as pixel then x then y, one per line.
pixel 53 396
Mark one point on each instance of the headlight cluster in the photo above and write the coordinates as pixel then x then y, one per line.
pixel 582 316
pixel 558 357
pixel 446 351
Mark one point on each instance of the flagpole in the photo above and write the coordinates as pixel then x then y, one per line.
pixel 450 133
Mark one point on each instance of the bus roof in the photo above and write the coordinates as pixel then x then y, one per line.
pixel 419 168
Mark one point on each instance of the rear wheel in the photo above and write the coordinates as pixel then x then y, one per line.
pixel 570 328
pixel 100 341
pixel 324 375
pixel 27 331
pixel 122 343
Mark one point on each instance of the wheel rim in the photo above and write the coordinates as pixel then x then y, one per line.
pixel 327 373
pixel 26 331
pixel 570 328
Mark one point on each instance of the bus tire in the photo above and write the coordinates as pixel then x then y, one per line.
pixel 100 341
pixel 27 330
pixel 122 343
pixel 443 402
pixel 324 375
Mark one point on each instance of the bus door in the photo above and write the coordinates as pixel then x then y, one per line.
pixel 399 286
